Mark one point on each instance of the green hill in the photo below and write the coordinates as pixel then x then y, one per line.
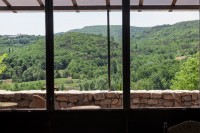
pixel 156 54
pixel 115 30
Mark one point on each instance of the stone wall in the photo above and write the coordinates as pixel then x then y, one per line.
pixel 104 99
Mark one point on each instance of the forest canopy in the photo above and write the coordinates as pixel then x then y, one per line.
pixel 158 57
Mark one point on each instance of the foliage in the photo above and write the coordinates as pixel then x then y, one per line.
pixel 81 55
pixel 187 78
pixel 38 85
pixel 2 65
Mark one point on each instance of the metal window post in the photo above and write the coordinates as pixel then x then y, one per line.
pixel 108 35
pixel 126 53
pixel 49 55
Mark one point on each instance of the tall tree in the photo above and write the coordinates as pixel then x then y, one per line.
pixel 2 65
pixel 188 76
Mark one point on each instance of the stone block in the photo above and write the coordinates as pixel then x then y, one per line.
pixel 142 100
pixel 187 98
pixel 17 96
pixel 116 106
pixel 147 105
pixel 73 99
pixel 81 97
pixel 119 102
pixel 143 105
pixel 135 95
pixel 114 101
pixel 105 102
pixel 38 102
pixel 62 98
pixel 110 95
pixel 135 100
pixel 168 103
pixel 104 106
pixel 99 96
pixel 135 105
pixel 183 93
pixel 1 96
pixel 145 95
pixel 26 96
pixel 63 105
pixel 153 101
pixel 197 101
pixel 70 105
pixel 168 96
pixel 194 96
pixel 24 103
pixel 90 102
pixel 97 102
pixel 117 95
pixel 85 99
pixel 156 95
pixel 89 96
pixel 187 103
pixel 177 97
pixel 160 101
pixel 8 96
pixel 176 104
pixel 80 103
pixel 57 105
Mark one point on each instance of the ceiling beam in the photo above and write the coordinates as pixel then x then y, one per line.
pixel 173 5
pixel 173 2
pixel 75 5
pixel 140 4
pixel 40 3
pixel 108 3
pixel 101 8
pixel 9 5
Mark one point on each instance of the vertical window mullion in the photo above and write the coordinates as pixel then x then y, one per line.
pixel 49 54
pixel 108 35
pixel 126 53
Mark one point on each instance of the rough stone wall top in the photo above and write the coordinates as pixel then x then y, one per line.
pixel 104 99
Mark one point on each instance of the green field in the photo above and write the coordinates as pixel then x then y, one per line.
pixel 60 84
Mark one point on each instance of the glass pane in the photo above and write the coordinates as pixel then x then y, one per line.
pixel 187 2
pixel 24 3
pixel 134 2
pixel 22 61
pixel 2 3
pixel 81 61
pixel 62 3
pixel 116 58
pixel 91 2
pixel 156 2
pixel 115 2
pixel 165 59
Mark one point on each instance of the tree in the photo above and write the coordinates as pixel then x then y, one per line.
pixel 188 76
pixel 2 65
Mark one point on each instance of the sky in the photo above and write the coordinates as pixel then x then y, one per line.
pixel 34 23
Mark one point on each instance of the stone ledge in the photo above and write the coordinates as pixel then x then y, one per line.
pixel 104 99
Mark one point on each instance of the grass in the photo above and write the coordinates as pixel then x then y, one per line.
pixel 60 83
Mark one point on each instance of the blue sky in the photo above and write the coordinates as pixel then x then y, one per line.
pixel 34 23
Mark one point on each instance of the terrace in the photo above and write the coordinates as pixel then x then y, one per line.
pixel 134 105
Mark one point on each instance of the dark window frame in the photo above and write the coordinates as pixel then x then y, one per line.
pixel 49 27
pixel 125 54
